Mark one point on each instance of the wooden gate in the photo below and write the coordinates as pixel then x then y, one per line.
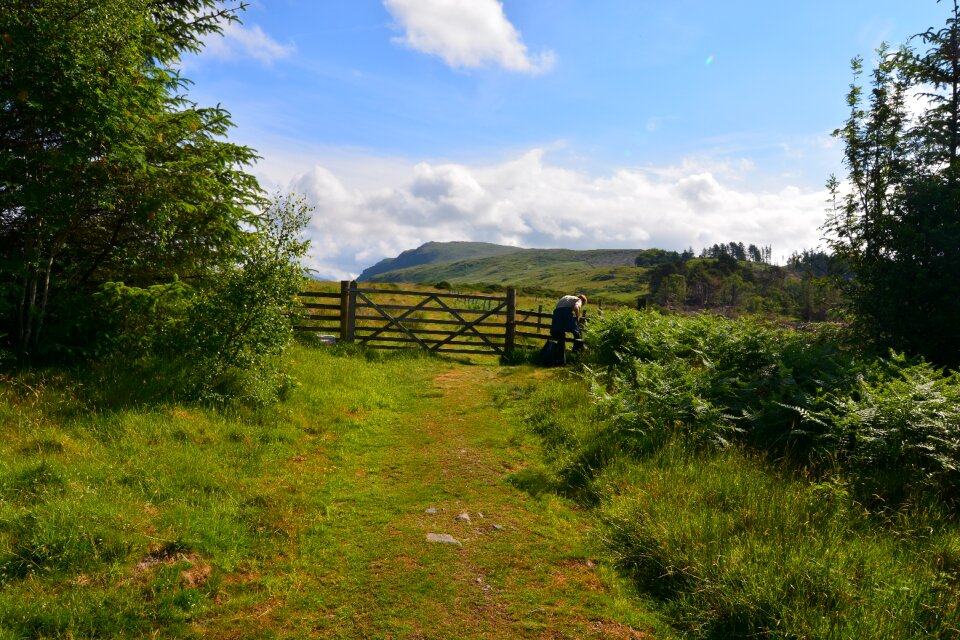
pixel 396 319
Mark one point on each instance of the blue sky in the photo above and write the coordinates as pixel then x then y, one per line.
pixel 561 123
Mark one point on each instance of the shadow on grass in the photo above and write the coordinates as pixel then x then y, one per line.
pixel 532 481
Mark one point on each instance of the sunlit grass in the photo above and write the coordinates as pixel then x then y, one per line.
pixel 733 543
pixel 109 509
pixel 306 519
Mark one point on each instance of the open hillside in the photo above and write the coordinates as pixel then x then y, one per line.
pixel 435 253
pixel 612 277
pixel 610 272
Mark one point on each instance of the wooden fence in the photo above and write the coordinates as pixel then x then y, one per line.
pixel 434 321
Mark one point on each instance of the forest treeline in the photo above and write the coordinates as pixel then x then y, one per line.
pixel 733 277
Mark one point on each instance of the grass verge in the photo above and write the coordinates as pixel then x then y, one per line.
pixel 732 546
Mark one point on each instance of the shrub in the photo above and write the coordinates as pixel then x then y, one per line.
pixel 737 467
pixel 898 430
pixel 220 338
pixel 892 425
pixel 717 376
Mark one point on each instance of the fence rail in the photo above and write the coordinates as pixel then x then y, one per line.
pixel 434 321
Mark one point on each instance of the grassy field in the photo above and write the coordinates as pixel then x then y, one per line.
pixel 310 519
pixel 555 273
pixel 728 496
pixel 305 520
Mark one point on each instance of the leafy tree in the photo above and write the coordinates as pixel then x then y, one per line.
pixel 896 225
pixel 654 257
pixel 223 338
pixel 672 291
pixel 108 171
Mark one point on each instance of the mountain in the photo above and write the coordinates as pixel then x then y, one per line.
pixel 434 253
pixel 610 271
pixel 612 276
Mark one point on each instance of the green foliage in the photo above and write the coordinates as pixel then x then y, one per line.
pixel 744 286
pixel 716 379
pixel 138 318
pixel 110 172
pixel 242 323
pixel 898 430
pixel 896 226
pixel 654 257
pixel 733 549
pixel 672 291
pixel 223 337
pixel 760 481
pixel 891 425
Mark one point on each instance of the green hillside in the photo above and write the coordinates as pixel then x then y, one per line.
pixel 607 272
pixel 435 253
pixel 610 276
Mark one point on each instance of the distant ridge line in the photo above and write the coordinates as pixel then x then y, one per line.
pixel 437 253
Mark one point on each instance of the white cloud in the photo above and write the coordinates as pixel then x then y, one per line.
pixel 528 202
pixel 466 33
pixel 238 42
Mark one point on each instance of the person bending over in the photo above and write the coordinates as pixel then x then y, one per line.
pixel 566 317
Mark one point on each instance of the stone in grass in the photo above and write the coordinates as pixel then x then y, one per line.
pixel 463 517
pixel 443 538
pixel 430 510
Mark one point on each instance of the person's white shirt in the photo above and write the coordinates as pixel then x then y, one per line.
pixel 570 302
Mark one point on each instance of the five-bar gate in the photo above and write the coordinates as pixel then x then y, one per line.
pixel 385 318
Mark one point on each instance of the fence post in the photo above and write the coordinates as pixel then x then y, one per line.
pixel 539 318
pixel 344 308
pixel 510 337
pixel 352 312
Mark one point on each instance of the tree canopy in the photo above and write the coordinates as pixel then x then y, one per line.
pixel 107 170
pixel 895 220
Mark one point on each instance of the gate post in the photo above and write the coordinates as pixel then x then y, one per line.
pixel 344 308
pixel 352 312
pixel 510 337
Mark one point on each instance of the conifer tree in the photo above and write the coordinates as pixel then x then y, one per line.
pixel 109 172
pixel 896 220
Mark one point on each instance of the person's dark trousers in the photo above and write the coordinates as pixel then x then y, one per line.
pixel 562 322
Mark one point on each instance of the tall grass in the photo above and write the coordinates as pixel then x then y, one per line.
pixel 764 482
pixel 736 550
pixel 119 519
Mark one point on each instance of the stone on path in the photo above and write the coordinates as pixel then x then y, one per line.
pixel 443 538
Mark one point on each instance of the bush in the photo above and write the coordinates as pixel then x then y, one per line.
pixel 760 481
pixel 220 338
pixel 898 430
pixel 717 376
pixel 892 425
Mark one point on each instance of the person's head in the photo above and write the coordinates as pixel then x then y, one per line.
pixel 583 298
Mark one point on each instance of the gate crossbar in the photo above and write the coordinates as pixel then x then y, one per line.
pixel 469 324
pixel 397 320
pixel 394 321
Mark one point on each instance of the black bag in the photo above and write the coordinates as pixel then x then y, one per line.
pixel 550 355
